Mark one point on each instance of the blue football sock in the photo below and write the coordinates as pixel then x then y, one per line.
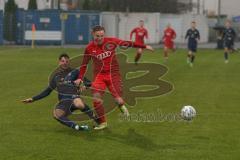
pixel 65 121
pixel 87 110
pixel 192 58
pixel 226 55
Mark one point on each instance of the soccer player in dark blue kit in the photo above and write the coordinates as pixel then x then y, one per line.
pixel 68 94
pixel 193 37
pixel 228 39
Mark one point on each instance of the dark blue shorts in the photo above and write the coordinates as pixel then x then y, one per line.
pixel 192 46
pixel 228 44
pixel 66 105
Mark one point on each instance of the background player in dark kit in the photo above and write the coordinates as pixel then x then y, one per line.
pixel 193 37
pixel 228 39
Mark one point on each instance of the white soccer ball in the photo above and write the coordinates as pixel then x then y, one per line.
pixel 188 113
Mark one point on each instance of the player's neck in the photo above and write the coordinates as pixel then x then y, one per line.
pixel 61 68
pixel 98 44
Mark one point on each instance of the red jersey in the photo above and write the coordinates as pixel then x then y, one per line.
pixel 140 34
pixel 104 56
pixel 169 35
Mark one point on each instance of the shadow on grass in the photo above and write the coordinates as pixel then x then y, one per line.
pixel 131 138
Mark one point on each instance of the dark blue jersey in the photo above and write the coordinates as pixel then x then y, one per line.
pixel 62 81
pixel 72 76
pixel 229 34
pixel 192 35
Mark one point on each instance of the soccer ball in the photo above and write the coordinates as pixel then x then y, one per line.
pixel 188 113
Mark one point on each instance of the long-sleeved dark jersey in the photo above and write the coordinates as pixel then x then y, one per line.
pixel 62 81
pixel 229 34
pixel 192 35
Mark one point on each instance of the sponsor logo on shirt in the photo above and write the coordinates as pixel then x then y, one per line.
pixel 104 55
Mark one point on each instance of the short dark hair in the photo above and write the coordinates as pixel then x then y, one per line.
pixel 65 55
pixel 98 28
pixel 193 21
pixel 141 20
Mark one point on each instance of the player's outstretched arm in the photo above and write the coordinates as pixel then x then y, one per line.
pixel 42 95
pixel 83 68
pixel 131 44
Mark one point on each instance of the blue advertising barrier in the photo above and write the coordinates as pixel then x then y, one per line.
pixel 47 27
pixel 78 26
pixel 54 27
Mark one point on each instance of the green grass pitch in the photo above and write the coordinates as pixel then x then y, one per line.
pixel 29 132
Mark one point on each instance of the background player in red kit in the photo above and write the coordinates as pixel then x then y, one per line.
pixel 140 33
pixel 106 70
pixel 168 40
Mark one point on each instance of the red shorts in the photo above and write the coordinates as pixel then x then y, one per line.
pixel 140 42
pixel 169 44
pixel 111 81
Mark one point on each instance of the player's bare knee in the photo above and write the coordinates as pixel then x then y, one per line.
pixel 57 113
pixel 140 50
pixel 78 103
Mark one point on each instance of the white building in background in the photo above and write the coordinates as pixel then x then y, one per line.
pixel 230 7
pixel 119 24
pixel 227 7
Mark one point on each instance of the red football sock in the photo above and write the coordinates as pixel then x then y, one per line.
pixel 137 57
pixel 100 111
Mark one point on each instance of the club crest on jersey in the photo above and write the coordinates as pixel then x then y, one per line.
pixel 110 46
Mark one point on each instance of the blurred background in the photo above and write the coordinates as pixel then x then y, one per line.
pixel 69 22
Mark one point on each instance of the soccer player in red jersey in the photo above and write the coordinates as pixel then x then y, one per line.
pixel 140 34
pixel 106 70
pixel 168 40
